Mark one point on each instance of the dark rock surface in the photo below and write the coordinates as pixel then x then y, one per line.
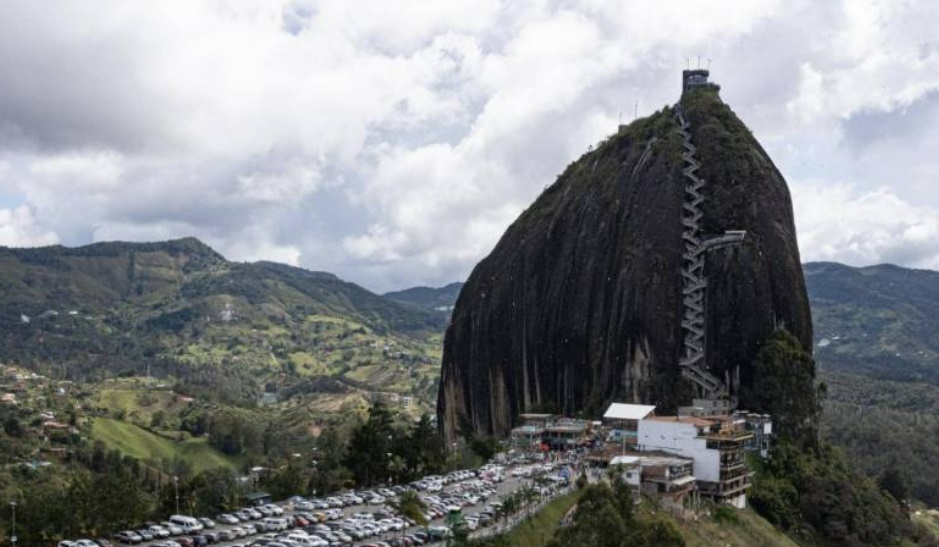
pixel 580 302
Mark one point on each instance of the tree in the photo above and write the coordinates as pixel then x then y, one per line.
pixel 894 483
pixel 158 419
pixel 285 482
pixel 422 450
pixel 597 521
pixel 210 492
pixel 236 431
pixel 784 387
pixel 329 471
pixel 484 447
pixel 409 504
pixel 604 517
pixel 13 427
pixel 369 448
pixel 510 506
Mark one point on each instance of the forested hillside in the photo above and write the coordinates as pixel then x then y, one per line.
pixel 881 321
pixel 231 331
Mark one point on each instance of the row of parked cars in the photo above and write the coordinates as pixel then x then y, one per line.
pixel 319 522
pixel 197 532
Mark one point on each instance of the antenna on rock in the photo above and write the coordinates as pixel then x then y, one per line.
pixel 636 111
pixel 699 61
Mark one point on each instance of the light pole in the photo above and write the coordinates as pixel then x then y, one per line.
pixel 13 531
pixel 176 490
pixel 316 475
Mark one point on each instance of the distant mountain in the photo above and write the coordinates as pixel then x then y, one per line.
pixel 440 299
pixel 230 329
pixel 881 321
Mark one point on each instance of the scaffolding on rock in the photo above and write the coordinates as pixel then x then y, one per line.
pixel 693 362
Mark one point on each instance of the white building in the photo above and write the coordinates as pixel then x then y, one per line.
pixel 623 420
pixel 630 466
pixel 716 444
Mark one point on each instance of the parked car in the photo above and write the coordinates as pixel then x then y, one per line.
pixel 159 531
pixel 207 522
pixel 147 535
pixel 225 518
pixel 128 537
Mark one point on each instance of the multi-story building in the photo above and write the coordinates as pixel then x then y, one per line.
pixel 715 444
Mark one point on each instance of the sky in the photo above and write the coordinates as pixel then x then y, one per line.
pixel 393 142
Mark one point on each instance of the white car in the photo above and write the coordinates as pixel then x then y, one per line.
pixel 225 518
pixel 172 529
pixel 159 531
pixel 274 509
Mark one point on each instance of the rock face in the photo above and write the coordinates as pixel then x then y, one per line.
pixel 580 303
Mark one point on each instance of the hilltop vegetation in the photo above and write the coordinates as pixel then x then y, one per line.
pixel 438 299
pixel 880 321
pixel 229 331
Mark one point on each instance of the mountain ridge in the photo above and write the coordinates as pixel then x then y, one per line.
pixel 226 328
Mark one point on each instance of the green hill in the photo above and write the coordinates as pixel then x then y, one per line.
pixel 441 299
pixel 881 321
pixel 139 443
pixel 231 331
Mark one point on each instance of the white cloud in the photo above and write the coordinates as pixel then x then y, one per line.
pixel 18 229
pixel 393 142
pixel 839 223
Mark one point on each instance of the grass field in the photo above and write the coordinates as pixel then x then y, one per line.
pixel 537 530
pixel 141 444
pixel 747 529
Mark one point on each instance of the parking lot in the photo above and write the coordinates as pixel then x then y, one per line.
pixel 475 494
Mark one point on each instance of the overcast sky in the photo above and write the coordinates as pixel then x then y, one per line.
pixel 393 141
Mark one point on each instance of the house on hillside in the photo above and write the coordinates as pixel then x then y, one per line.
pixel 716 444
pixel 667 478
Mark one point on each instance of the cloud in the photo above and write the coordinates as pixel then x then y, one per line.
pixel 393 142
pixel 839 223
pixel 18 229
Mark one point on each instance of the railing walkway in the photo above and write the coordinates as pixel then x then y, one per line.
pixel 693 363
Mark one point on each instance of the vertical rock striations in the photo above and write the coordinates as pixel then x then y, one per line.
pixel 581 302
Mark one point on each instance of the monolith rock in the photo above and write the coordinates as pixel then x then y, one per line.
pixel 655 266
